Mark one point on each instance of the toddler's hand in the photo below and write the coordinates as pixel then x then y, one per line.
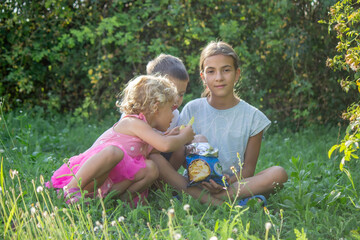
pixel 174 131
pixel 188 132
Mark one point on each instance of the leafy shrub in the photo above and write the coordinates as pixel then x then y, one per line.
pixel 344 19
pixel 76 56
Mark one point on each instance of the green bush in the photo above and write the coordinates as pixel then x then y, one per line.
pixel 344 20
pixel 75 56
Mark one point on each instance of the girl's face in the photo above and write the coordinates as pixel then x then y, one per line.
pixel 162 118
pixel 220 75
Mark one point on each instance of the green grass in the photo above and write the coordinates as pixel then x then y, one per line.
pixel 314 203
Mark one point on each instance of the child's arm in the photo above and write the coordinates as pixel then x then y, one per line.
pixel 250 157
pixel 248 169
pixel 163 143
pixel 174 131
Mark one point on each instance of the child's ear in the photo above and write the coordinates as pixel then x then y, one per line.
pixel 237 74
pixel 156 108
pixel 202 78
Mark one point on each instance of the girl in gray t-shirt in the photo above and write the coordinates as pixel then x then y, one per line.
pixel 231 125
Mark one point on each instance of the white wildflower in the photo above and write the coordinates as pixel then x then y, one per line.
pixel 186 207
pixel 267 226
pixel 213 238
pixel 32 210
pixel 121 219
pixel 39 189
pixel 177 236
pixel 171 211
pixel 113 223
pixel 13 173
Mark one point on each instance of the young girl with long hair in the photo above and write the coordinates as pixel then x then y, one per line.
pixel 231 125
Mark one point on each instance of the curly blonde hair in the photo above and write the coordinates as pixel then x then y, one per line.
pixel 145 94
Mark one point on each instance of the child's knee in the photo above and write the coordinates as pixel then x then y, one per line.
pixel 279 174
pixel 113 154
pixel 152 171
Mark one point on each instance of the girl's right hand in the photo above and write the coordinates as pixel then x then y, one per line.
pixel 188 132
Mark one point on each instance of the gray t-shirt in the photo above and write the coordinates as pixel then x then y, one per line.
pixel 228 130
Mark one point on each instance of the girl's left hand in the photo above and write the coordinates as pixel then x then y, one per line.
pixel 212 187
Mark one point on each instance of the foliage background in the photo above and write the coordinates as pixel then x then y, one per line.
pixel 72 57
pixel 75 56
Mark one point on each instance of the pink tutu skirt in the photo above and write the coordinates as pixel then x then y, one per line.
pixel 124 170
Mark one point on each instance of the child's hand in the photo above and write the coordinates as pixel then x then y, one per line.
pixel 212 186
pixel 174 131
pixel 188 132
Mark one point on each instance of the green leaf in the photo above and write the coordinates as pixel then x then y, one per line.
pixel 216 225
pixel 341 166
pixel 332 149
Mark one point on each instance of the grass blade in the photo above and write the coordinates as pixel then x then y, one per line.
pixel 10 218
pixel 2 175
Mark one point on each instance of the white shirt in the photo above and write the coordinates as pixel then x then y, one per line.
pixel 228 130
pixel 176 119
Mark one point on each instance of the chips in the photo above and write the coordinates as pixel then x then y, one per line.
pixel 202 164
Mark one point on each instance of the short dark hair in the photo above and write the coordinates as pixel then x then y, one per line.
pixel 166 64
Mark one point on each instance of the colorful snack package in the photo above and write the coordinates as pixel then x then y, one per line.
pixel 202 164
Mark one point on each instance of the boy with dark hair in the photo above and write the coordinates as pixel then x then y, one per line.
pixel 174 69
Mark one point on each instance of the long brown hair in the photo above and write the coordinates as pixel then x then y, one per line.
pixel 217 48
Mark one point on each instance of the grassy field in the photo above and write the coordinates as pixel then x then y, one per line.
pixel 314 203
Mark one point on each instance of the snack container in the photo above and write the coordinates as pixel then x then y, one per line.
pixel 202 164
